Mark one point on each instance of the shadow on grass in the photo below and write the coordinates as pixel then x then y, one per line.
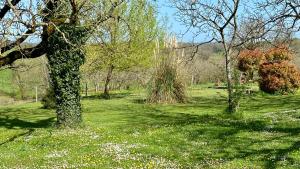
pixel 223 131
pixel 194 102
pixel 10 94
pixel 260 102
pixel 26 118
pixel 12 123
pixel 112 96
pixel 139 101
pixel 27 133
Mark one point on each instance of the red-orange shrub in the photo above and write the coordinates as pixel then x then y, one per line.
pixel 249 60
pixel 277 75
pixel 278 54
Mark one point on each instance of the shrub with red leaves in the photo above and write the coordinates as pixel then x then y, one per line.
pixel 249 60
pixel 278 54
pixel 277 75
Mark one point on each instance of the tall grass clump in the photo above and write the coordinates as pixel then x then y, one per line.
pixel 167 84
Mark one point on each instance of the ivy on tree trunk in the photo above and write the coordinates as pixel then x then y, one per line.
pixel 65 57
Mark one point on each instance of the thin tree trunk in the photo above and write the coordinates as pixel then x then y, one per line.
pixel 96 88
pixel 231 105
pixel 107 81
pixel 20 84
pixel 86 89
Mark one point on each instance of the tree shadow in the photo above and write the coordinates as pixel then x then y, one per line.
pixel 280 155
pixel 222 129
pixel 112 96
pixel 26 117
pixel 139 101
pixel 12 123
pixel 27 133
pixel 275 101
pixel 228 128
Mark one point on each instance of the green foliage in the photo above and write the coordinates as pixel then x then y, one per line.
pixel 124 42
pixel 238 93
pixel 127 40
pixel 65 57
pixel 167 84
pixel 26 75
pixel 6 83
pixel 48 101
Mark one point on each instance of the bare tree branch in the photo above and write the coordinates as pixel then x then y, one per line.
pixel 7 7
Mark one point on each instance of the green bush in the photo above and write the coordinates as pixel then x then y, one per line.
pixel 48 100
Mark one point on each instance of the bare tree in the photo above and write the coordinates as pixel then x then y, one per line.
pixel 219 21
pixel 284 11
pixel 280 18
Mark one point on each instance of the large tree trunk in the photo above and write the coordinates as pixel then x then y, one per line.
pixel 64 62
pixel 68 104
pixel 66 85
pixel 107 81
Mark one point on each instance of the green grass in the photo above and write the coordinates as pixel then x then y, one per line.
pixel 6 86
pixel 7 89
pixel 124 132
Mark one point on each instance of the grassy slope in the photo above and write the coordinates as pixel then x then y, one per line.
pixel 124 132
pixel 6 86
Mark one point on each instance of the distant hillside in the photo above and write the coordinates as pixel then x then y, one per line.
pixel 6 85
pixel 7 89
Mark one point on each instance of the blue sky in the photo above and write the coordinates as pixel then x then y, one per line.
pixel 176 27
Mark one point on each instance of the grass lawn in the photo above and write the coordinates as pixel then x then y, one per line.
pixel 126 133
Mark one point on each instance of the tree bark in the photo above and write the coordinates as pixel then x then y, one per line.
pixel 231 104
pixel 107 81
pixel 65 77
pixel 34 52
pixel 7 7
pixel 86 89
